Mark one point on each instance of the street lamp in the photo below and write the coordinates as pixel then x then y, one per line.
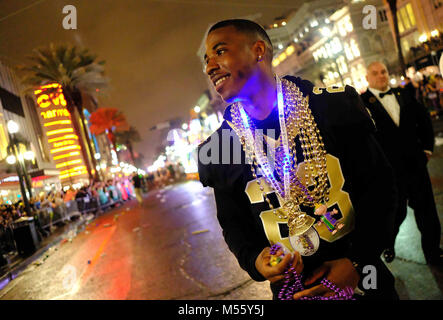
pixel 12 127
pixel 14 154
pixel 11 159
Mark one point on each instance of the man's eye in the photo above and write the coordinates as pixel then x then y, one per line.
pixel 220 51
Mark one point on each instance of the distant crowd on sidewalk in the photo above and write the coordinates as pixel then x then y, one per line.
pixel 58 207
pixel 428 91
pixel 53 208
pixel 162 177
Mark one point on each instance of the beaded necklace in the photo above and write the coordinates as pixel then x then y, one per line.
pixel 288 290
pixel 295 119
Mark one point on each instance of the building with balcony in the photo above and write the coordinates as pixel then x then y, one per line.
pixel 335 47
pixel 420 24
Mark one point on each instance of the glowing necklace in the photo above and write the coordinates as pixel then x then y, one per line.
pixel 295 119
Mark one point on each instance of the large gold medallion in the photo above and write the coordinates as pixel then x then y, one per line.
pixel 298 221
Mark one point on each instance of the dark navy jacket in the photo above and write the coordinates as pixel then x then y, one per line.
pixel 362 184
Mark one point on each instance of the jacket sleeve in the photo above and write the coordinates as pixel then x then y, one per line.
pixel 425 132
pixel 371 182
pixel 242 239
pixel 235 219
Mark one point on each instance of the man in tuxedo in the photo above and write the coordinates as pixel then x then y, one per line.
pixel 404 131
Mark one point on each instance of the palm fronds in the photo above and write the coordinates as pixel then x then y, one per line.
pixel 73 68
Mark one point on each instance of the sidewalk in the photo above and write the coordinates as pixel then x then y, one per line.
pixel 18 264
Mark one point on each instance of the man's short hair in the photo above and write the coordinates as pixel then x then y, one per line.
pixel 374 63
pixel 248 27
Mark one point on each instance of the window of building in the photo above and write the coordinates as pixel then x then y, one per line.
pixel 345 26
pixel 336 45
pixel 383 16
pixel 401 29
pixel 342 66
pixel 410 14
pixel 437 3
pixel 348 52
pixel 3 142
pixel 354 47
pixel 406 18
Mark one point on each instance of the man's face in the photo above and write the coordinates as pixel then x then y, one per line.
pixel 378 76
pixel 230 62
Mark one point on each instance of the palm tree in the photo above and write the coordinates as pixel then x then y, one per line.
pixel 126 138
pixel 393 7
pixel 109 121
pixel 77 71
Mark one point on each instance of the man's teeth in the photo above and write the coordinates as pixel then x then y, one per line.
pixel 220 80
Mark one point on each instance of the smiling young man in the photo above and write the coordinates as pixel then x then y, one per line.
pixel 327 163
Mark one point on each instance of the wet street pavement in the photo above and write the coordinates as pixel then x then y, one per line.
pixel 172 248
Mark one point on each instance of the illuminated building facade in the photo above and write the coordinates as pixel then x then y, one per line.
pixel 331 46
pixel 183 141
pixel 64 143
pixel 420 23
pixel 22 109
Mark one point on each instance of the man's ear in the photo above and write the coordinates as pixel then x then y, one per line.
pixel 259 49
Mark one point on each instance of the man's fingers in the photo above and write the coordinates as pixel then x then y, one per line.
pixel 276 278
pixel 318 290
pixel 284 263
pixel 265 252
pixel 265 255
pixel 329 294
pixel 316 274
pixel 297 262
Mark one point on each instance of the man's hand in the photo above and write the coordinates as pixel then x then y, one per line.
pixel 276 273
pixel 341 272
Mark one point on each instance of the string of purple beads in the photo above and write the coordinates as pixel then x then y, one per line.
pixel 288 290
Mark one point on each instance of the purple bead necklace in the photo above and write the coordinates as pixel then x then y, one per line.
pixel 289 289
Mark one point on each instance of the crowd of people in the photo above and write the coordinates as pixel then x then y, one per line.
pixel 170 173
pixel 428 91
pixel 51 208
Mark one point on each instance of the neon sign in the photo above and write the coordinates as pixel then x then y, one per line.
pixel 54 98
pixel 60 134
pixel 55 113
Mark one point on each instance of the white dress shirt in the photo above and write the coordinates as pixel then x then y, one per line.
pixel 390 103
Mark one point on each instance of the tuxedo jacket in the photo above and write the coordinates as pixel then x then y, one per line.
pixel 358 173
pixel 403 145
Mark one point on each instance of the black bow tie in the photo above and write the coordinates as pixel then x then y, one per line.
pixel 387 92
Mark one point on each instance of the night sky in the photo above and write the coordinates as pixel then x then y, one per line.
pixel 149 47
